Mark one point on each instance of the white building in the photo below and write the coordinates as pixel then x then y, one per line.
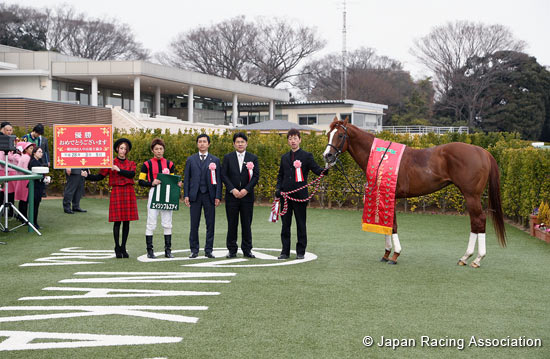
pixel 140 94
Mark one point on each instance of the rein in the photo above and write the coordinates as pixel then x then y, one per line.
pixel 287 198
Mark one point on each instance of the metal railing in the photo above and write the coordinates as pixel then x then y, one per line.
pixel 421 130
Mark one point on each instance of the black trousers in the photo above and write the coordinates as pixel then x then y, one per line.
pixel 299 210
pixel 234 210
pixel 203 201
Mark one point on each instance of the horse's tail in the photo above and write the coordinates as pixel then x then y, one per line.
pixel 495 208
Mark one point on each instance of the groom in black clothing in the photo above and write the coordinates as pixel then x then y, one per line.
pixel 240 173
pixel 293 172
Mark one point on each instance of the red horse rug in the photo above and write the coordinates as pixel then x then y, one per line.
pixel 379 199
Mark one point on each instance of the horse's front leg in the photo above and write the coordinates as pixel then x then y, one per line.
pixel 395 238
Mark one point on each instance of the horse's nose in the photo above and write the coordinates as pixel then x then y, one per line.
pixel 328 157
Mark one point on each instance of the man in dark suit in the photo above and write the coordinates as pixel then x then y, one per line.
pixel 240 173
pixel 293 173
pixel 202 188
pixel 74 189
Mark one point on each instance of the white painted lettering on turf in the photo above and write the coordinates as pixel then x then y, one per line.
pixel 143 311
pixel 149 277
pixel 115 293
pixel 66 256
pixel 22 340
pixel 263 259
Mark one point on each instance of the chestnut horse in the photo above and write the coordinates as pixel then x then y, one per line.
pixel 424 171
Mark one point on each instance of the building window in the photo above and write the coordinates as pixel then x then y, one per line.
pixel 343 116
pixel 307 119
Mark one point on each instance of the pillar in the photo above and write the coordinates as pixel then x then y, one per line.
pixel 190 104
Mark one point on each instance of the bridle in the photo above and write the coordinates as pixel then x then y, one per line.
pixel 338 164
pixel 341 145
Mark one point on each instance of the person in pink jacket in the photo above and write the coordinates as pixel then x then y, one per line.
pixel 13 158
pixel 21 187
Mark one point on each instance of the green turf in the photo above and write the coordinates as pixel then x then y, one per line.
pixel 318 309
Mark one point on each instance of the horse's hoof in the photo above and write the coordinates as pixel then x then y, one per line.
pixel 461 263
pixel 475 265
pixel 383 259
pixel 392 262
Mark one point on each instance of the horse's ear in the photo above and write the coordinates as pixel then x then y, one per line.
pixel 346 121
pixel 335 119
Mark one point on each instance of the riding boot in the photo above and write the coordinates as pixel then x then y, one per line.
pixel 118 252
pixel 149 241
pixel 167 246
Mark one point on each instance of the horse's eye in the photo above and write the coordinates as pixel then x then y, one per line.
pixel 340 136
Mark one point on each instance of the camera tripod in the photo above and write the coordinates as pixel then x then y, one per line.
pixel 7 205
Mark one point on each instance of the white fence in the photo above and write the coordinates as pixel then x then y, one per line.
pixel 420 130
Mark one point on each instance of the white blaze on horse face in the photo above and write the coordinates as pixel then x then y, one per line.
pixel 331 136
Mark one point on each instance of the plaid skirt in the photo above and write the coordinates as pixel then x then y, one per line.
pixel 123 205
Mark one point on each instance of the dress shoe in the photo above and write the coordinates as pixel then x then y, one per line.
pixel 79 210
pixel 231 255
pixel 300 256
pixel 194 255
pixel 68 211
pixel 209 255
pixel 283 256
pixel 249 255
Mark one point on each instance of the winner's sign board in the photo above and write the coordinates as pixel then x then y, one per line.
pixel 83 146
pixel 166 195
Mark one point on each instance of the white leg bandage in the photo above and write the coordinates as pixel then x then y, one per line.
pixel 396 244
pixel 388 241
pixel 471 247
pixel 480 247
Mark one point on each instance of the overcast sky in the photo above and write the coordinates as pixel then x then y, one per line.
pixel 389 26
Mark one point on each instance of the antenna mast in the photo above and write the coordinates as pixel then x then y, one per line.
pixel 344 75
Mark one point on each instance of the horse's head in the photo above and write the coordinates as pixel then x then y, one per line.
pixel 337 144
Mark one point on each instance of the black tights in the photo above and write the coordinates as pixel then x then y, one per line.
pixel 125 231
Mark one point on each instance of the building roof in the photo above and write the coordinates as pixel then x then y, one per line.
pixel 277 125
pixel 320 102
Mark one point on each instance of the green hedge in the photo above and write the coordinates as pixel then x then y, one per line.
pixel 525 171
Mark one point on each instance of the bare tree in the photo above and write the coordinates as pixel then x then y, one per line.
pixel 279 49
pixel 265 53
pixel 447 48
pixel 22 27
pixel 371 78
pixel 64 30
pixel 221 50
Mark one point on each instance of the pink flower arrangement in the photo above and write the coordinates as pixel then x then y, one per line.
pixel 166 171
pixel 249 165
pixel 297 164
pixel 212 166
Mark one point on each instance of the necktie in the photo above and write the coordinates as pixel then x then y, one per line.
pixel 241 159
pixel 202 158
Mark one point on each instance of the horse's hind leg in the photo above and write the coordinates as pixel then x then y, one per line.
pixel 477 225
pixel 469 250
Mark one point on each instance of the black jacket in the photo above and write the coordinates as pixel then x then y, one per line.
pixel 286 179
pixel 233 178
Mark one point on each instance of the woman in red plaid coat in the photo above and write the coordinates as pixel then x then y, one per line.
pixel 122 204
